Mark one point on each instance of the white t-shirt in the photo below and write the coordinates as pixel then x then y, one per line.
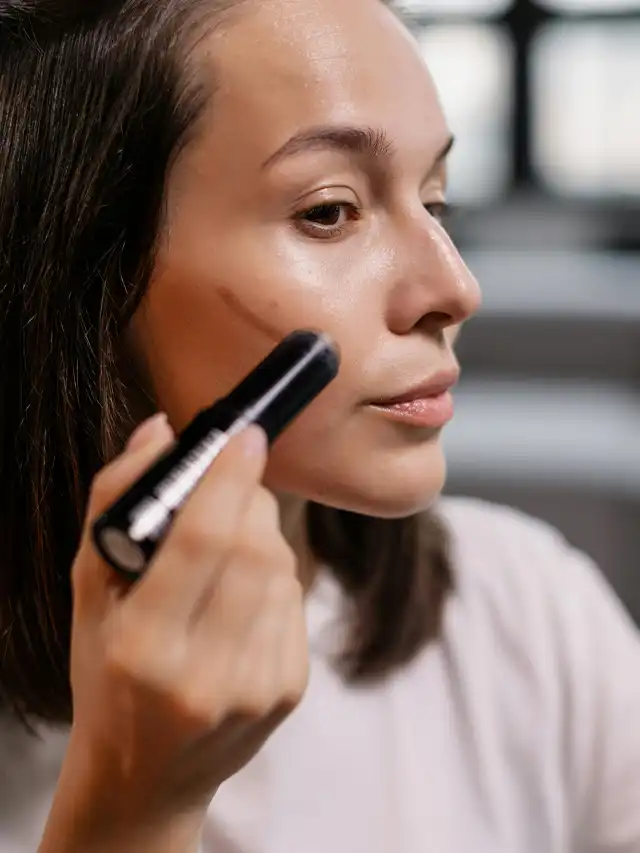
pixel 517 732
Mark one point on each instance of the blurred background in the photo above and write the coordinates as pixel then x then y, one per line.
pixel 544 97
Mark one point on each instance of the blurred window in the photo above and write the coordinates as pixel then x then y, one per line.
pixel 472 66
pixel 591 6
pixel 475 8
pixel 542 94
pixel 586 107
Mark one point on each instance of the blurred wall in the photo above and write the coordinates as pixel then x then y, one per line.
pixel 545 100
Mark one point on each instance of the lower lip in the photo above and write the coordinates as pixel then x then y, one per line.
pixel 433 412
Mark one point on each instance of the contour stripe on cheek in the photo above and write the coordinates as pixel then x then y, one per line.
pixel 249 317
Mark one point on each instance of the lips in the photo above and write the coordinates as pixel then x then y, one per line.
pixel 428 405
pixel 438 384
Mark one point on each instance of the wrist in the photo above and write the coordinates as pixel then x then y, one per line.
pixel 91 813
pixel 71 830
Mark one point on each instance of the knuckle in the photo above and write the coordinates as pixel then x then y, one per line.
pixel 268 506
pixel 282 589
pixel 259 705
pixel 270 556
pixel 198 709
pixel 261 524
pixel 252 706
pixel 293 691
pixel 290 564
pixel 285 561
pixel 123 661
pixel 132 653
pixel 291 698
pixel 193 538
pixel 237 587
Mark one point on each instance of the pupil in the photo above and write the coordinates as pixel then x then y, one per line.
pixel 326 214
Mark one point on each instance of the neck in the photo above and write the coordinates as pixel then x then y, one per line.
pixel 293 514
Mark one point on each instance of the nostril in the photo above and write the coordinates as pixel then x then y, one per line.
pixel 436 321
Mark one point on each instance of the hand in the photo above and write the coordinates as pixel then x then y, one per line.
pixel 179 679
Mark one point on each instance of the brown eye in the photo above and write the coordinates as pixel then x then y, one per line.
pixel 327 215
pixel 325 221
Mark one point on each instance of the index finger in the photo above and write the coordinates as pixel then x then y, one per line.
pixel 90 574
pixel 204 533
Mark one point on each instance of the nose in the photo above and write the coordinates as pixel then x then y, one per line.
pixel 434 289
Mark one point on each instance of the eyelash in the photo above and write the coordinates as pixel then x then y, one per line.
pixel 438 210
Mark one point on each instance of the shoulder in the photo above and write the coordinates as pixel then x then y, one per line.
pixel 481 531
pixel 525 566
pixel 542 623
pixel 520 587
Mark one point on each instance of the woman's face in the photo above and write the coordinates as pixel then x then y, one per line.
pixel 307 200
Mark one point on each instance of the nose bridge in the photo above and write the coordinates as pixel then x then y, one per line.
pixel 448 280
pixel 434 280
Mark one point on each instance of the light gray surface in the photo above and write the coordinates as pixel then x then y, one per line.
pixel 578 435
pixel 548 414
pixel 29 767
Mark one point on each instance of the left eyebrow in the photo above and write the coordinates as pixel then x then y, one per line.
pixel 443 154
pixel 358 141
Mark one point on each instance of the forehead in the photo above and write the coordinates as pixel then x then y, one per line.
pixel 285 65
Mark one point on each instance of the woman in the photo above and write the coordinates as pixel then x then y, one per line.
pixel 183 183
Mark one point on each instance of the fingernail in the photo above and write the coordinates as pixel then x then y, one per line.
pixel 148 430
pixel 254 441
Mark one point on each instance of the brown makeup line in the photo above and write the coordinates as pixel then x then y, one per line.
pixel 245 313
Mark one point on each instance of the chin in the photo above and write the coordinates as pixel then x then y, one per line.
pixel 392 487
pixel 404 493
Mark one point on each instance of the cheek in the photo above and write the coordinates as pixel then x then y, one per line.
pixel 199 337
pixel 197 346
pixel 305 461
pixel 211 316
pixel 195 349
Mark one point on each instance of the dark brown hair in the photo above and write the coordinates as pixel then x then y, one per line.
pixel 95 103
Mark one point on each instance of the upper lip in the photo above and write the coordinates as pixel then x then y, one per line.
pixel 437 383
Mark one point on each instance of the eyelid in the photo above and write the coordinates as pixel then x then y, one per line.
pixel 327 195
pixel 436 184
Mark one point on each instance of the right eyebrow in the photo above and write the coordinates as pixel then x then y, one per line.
pixel 371 142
